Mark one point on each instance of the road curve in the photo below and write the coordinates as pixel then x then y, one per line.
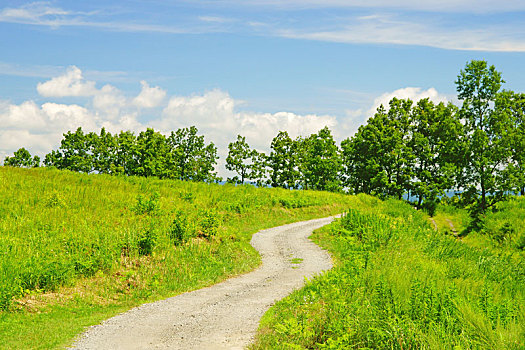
pixel 225 315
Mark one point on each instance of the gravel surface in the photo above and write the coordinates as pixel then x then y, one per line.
pixel 225 315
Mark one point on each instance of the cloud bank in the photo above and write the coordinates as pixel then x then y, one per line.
pixel 39 127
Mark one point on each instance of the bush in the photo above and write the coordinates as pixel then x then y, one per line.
pixel 209 224
pixel 147 242
pixel 179 231
pixel 147 206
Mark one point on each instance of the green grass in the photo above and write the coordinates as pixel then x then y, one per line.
pixel 398 284
pixel 459 218
pixel 76 249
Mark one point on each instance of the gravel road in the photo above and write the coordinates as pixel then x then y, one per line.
pixel 225 315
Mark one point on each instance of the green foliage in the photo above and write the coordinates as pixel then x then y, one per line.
pixel 148 205
pixel 190 158
pixel 180 231
pixel 283 162
pixel 247 163
pixel 183 155
pixel 319 162
pixel 504 224
pixel 398 284
pixel 147 241
pixel 22 158
pixel 209 223
pixel 486 139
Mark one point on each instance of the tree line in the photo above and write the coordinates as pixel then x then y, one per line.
pixel 420 149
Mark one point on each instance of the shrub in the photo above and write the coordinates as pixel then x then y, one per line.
pixel 209 223
pixel 179 231
pixel 147 242
pixel 147 206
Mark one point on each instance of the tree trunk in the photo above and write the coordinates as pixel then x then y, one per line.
pixel 483 197
pixel 420 200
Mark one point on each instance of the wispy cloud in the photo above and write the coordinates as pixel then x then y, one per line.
pixel 216 19
pixel 381 29
pixel 456 6
pixel 43 14
pixel 437 24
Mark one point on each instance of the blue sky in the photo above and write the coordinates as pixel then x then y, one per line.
pixel 228 67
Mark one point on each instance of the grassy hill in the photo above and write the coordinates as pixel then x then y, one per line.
pixel 76 249
pixel 400 284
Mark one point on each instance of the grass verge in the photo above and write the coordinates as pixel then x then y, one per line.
pixel 399 284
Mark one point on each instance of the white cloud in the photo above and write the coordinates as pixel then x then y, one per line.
pixel 71 83
pixel 461 6
pixel 355 118
pixel 39 128
pixel 215 116
pixel 413 93
pixel 35 13
pixel 388 29
pixel 149 97
pixel 109 101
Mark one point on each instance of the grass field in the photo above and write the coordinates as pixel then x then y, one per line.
pixel 76 249
pixel 399 284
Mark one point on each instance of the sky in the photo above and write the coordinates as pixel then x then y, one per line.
pixel 249 67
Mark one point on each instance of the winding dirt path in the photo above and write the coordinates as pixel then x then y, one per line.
pixel 225 315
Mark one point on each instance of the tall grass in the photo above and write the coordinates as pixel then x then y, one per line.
pixel 72 242
pixel 400 285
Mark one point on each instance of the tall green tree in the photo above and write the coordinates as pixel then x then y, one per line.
pixel 485 138
pixel 398 162
pixel 150 154
pixel 104 151
pixel 512 106
pixel 190 158
pixel 362 169
pixel 259 168
pixel 74 153
pixel 282 162
pixel 434 145
pixel 240 160
pixel 22 159
pixel 125 161
pixel 320 162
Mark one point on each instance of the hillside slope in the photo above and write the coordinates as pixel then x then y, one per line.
pixel 79 248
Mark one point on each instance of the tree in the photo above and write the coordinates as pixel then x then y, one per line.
pixel 125 161
pixel 378 160
pixel 434 146
pixel 189 157
pixel 150 154
pixel 259 168
pixel 73 154
pixel 512 106
pixel 486 140
pixel 320 162
pixel 282 162
pixel 399 159
pixel 22 159
pixel 104 151
pixel 239 160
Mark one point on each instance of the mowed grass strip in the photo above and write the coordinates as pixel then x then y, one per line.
pixel 76 248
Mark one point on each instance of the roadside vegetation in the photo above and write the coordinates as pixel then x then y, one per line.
pixel 399 284
pixel 114 220
pixel 78 248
